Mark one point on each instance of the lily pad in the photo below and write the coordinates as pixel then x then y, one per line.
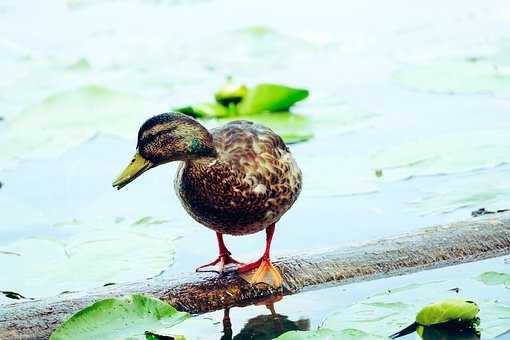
pixel 127 317
pixel 455 76
pixel 445 154
pixel 488 189
pixel 208 110
pixel 391 311
pixel 485 69
pixel 66 120
pixel 447 310
pixel 292 128
pixel 241 101
pixel 252 50
pixel 494 278
pixel 121 252
pixel 270 98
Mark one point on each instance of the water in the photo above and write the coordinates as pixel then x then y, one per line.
pixel 80 76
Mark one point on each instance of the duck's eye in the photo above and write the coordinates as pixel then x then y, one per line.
pixel 132 161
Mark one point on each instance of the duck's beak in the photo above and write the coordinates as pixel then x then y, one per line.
pixel 137 167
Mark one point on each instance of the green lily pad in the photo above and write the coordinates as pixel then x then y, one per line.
pixel 68 119
pixel 485 70
pixel 447 310
pixel 208 110
pixel 494 278
pixel 270 98
pixel 389 312
pixel 126 317
pixel 488 190
pixel 445 154
pixel 455 76
pixel 292 128
pixel 241 101
pixel 121 252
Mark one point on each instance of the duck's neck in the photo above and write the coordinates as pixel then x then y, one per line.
pixel 200 147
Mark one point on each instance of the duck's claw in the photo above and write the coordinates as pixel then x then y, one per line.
pixel 262 271
pixel 223 264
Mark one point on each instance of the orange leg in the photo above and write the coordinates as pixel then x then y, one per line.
pixel 262 270
pixel 224 263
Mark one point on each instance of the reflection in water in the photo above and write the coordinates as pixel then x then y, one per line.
pixel 448 332
pixel 263 327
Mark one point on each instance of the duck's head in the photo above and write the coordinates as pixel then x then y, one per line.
pixel 166 138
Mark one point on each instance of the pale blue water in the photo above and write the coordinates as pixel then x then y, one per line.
pixel 386 68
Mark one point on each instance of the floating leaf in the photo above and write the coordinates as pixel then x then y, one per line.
pixel 494 278
pixel 207 110
pixel 447 310
pixel 120 252
pixel 445 154
pixel 68 119
pixel 292 128
pixel 455 76
pixel 488 189
pixel 241 101
pixel 270 98
pixel 389 312
pixel 120 318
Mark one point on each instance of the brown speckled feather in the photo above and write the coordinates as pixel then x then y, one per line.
pixel 249 185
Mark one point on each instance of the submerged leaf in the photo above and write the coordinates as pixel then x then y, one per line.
pixel 447 310
pixel 270 98
pixel 120 318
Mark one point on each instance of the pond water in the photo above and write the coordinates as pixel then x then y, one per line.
pixel 420 92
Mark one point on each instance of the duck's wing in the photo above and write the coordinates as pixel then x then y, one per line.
pixel 260 158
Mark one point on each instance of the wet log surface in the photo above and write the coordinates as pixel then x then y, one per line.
pixel 428 248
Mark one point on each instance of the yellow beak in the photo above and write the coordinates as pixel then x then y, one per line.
pixel 137 167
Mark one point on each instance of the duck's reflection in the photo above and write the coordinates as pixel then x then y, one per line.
pixel 263 327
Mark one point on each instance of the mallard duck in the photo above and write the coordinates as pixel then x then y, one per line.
pixel 237 179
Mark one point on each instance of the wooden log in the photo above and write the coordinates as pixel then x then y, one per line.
pixel 432 247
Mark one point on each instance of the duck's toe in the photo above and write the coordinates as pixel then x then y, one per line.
pixel 223 264
pixel 265 272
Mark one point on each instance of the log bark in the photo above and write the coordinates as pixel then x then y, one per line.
pixel 433 247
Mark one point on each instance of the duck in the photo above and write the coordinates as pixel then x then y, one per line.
pixel 237 179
